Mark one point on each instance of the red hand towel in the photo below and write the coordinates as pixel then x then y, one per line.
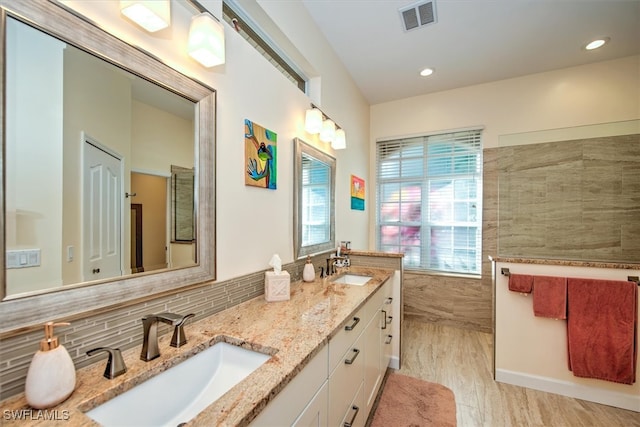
pixel 550 297
pixel 520 283
pixel 601 329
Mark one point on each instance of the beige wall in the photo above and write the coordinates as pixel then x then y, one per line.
pixel 151 193
pixel 531 351
pixel 603 92
pixel 34 212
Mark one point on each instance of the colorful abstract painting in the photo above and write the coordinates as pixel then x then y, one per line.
pixel 357 193
pixel 261 154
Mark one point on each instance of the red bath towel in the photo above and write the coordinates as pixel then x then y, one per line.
pixel 550 297
pixel 520 283
pixel 602 329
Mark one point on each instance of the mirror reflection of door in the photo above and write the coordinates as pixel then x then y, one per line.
pixel 151 194
pixel 102 207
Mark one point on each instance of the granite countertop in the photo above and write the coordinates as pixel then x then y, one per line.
pixel 292 332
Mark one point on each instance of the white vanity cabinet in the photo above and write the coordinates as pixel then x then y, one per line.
pixel 346 365
pixel 376 351
pixel 303 402
pixel 356 390
pixel 390 329
pixel 339 386
pixel 315 414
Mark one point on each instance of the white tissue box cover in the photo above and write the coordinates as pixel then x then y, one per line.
pixel 276 286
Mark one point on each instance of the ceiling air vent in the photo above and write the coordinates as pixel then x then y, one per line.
pixel 418 14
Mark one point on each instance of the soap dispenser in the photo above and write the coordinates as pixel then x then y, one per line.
pixel 308 272
pixel 51 377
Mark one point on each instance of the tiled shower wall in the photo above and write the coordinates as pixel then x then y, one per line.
pixel 121 326
pixel 576 199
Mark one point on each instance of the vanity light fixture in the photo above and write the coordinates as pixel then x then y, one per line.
pixel 313 121
pixel 595 44
pixel 340 140
pixel 152 15
pixel 317 122
pixel 328 131
pixel 206 40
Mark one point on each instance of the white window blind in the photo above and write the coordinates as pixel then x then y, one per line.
pixel 429 196
pixel 316 201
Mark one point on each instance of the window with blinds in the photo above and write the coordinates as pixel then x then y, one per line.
pixel 316 201
pixel 429 196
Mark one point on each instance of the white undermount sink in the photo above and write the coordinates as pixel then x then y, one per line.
pixel 178 394
pixel 352 279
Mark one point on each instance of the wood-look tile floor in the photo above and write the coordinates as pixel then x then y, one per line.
pixel 461 360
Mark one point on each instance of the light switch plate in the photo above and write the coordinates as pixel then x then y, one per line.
pixel 23 258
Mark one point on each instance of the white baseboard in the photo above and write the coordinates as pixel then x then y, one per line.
pixel 394 362
pixel 565 388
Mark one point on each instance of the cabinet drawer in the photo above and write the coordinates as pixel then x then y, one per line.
pixel 387 305
pixel 345 382
pixel 345 338
pixel 356 415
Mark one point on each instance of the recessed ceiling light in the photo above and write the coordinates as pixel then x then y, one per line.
pixel 426 72
pixel 597 43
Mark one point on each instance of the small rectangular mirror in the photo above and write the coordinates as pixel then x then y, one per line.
pixel 314 200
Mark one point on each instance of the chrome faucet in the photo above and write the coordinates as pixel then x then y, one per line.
pixel 150 348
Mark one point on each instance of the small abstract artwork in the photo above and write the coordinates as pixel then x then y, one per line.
pixel 357 193
pixel 260 151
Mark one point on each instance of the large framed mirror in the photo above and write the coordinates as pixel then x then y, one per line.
pixel 105 149
pixel 314 200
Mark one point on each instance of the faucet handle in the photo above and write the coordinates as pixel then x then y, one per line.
pixel 115 364
pixel 177 320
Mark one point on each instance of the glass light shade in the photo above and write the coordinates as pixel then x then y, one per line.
pixel 206 40
pixel 328 131
pixel 152 15
pixel 313 121
pixel 340 140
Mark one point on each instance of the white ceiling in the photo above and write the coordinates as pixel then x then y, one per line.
pixel 472 41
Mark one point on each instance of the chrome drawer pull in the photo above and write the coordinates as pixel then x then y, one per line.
pixel 355 414
pixel 388 340
pixel 389 319
pixel 353 325
pixel 350 361
pixel 389 300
